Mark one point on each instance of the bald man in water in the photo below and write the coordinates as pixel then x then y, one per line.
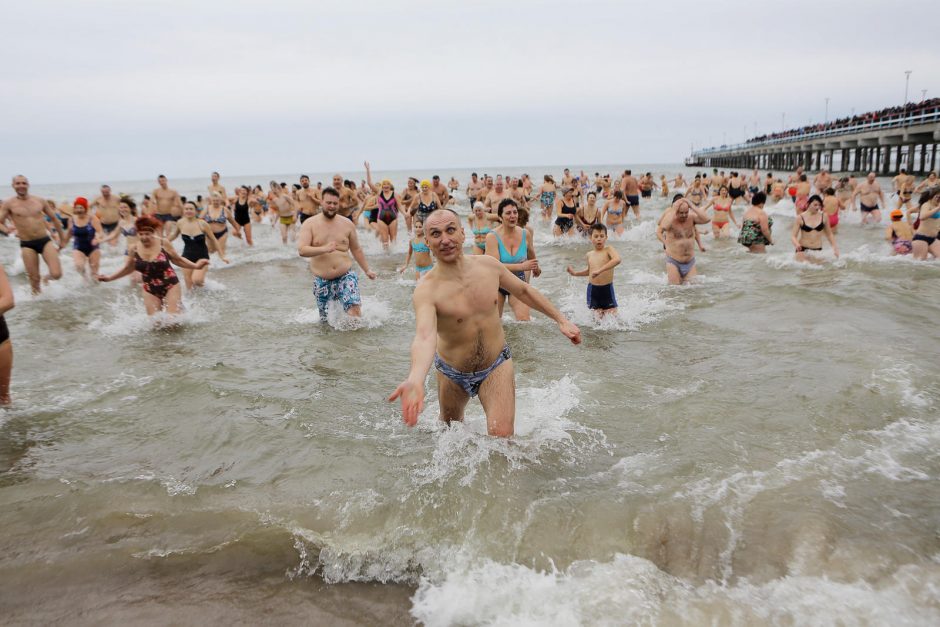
pixel 459 330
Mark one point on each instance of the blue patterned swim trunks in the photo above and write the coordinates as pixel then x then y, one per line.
pixel 344 288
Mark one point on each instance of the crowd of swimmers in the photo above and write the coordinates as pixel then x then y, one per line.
pixel 322 222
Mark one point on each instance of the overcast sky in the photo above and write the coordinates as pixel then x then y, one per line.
pixel 119 89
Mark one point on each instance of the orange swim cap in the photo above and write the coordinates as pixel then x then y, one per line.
pixel 897 214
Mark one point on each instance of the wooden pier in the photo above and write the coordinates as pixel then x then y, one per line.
pixel 883 147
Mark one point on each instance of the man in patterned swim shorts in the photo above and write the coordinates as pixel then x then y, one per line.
pixel 328 242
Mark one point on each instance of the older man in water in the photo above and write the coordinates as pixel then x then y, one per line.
pixel 459 330
pixel 871 199
pixel 30 214
pixel 328 243
pixel 676 230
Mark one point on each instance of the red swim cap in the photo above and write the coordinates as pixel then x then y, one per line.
pixel 81 201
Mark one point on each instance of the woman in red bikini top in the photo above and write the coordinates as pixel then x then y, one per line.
pixel 722 206
pixel 161 289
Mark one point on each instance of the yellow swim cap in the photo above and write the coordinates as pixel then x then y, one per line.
pixel 386 182
pixel 425 183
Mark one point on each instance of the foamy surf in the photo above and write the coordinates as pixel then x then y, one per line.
pixel 629 590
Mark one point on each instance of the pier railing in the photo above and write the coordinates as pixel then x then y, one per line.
pixel 862 127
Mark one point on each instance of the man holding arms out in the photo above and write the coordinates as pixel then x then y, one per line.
pixel 27 211
pixel 328 242
pixel 459 330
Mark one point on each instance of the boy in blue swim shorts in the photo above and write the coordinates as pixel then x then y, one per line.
pixel 601 263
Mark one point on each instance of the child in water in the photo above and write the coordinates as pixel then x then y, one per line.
pixel 900 234
pixel 422 254
pixel 601 263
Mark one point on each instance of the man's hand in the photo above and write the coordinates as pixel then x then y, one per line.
pixel 412 400
pixel 570 330
pixel 330 247
pixel 371 274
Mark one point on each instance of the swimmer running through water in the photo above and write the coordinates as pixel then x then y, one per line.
pixel 458 329
pixel 161 287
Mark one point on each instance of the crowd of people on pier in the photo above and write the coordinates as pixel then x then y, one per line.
pixel 485 240
pixel 923 107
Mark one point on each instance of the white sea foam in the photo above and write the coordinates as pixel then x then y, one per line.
pixel 629 590
pixel 636 306
pixel 542 424
pixel 374 314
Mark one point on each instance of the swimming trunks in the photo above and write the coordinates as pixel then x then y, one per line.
pixel 344 288
pixel 109 226
pixel 157 274
pixel 301 216
pixel 866 209
pixel 547 199
pixel 646 193
pixel 166 217
pixel 35 244
pixel 633 200
pixel 288 220
pixel 601 296
pixel 683 267
pixel 471 381
pixel 194 247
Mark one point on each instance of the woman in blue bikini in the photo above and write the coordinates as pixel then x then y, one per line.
pixel 479 222
pixel 422 254
pixel 512 237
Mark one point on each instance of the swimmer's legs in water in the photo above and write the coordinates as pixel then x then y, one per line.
pixel 497 395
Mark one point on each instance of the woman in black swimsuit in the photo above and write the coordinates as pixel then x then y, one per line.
pixel 197 236
pixel 565 210
pixel 242 214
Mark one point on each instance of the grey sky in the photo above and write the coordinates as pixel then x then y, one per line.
pixel 114 90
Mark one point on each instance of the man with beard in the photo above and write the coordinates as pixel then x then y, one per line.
pixel 328 242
